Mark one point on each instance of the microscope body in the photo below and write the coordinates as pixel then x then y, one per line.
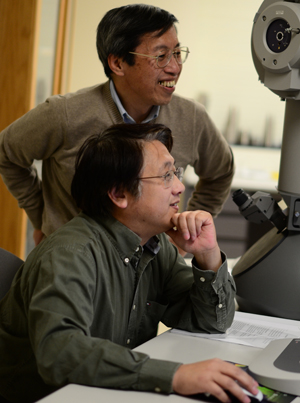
pixel 268 275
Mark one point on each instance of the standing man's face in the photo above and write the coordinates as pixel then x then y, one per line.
pixel 144 84
pixel 151 213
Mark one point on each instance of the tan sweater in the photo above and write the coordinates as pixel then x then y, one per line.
pixel 54 131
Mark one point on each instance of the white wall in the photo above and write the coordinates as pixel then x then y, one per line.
pixel 46 51
pixel 219 67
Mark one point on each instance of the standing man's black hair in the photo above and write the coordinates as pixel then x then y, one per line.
pixel 121 29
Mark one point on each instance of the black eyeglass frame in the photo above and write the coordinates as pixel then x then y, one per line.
pixel 168 176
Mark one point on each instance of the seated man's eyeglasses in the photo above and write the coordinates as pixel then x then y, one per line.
pixel 168 177
pixel 164 56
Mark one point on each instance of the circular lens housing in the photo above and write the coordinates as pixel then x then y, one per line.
pixel 278 39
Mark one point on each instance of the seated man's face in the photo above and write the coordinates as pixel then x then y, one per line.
pixel 151 213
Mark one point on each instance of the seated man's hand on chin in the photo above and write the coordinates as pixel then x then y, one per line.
pixel 194 232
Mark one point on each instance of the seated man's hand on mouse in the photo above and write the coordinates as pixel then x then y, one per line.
pixel 214 377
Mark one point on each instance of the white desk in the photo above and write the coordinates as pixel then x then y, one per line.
pixel 168 346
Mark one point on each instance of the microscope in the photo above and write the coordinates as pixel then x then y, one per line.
pixel 267 276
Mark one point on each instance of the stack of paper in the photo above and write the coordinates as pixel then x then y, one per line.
pixel 253 330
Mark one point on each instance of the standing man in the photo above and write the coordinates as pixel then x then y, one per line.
pixel 98 286
pixel 142 57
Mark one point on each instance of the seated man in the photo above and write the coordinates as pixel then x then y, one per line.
pixel 98 286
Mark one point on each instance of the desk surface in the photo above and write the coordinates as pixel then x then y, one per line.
pixel 168 346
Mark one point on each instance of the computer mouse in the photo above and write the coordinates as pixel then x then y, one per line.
pixel 259 397
pixel 210 398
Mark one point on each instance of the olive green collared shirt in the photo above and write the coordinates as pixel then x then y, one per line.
pixel 89 294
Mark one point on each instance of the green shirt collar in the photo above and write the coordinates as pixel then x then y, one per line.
pixel 126 242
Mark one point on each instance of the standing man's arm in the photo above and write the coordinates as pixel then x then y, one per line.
pixel 199 143
pixel 34 136
pixel 214 164
pixel 210 194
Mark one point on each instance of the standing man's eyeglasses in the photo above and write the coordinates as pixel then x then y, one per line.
pixel 164 57
pixel 168 177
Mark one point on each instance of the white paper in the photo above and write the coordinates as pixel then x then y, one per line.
pixel 253 330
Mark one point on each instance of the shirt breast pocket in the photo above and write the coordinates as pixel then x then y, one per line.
pixel 151 317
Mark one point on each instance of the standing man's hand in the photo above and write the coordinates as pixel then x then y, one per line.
pixel 38 236
pixel 195 233
pixel 214 377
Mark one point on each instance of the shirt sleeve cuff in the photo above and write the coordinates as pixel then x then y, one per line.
pixel 157 376
pixel 208 277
